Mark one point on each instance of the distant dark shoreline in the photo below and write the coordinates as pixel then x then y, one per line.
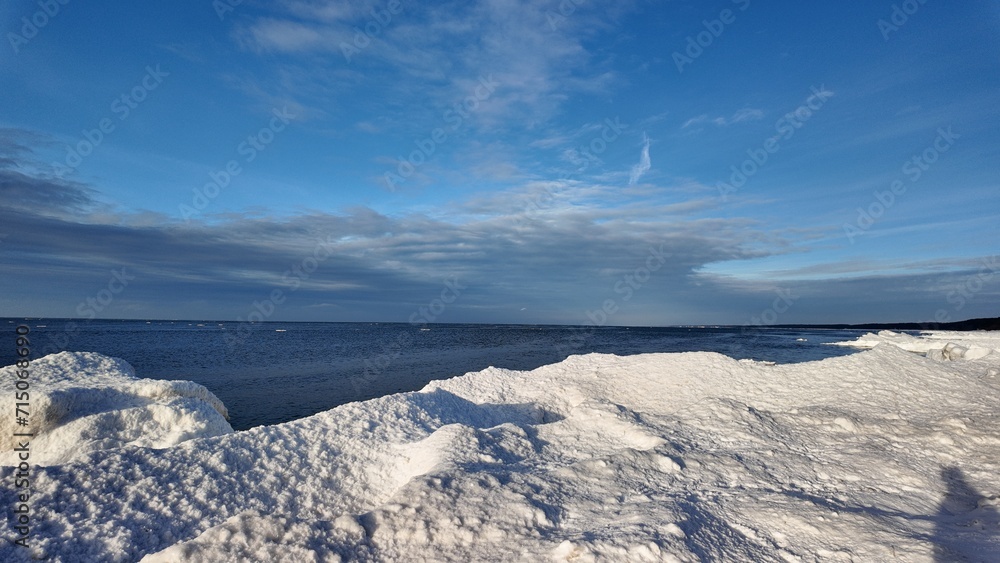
pixel 967 325
pixel 971 324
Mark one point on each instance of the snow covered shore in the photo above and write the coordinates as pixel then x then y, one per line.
pixel 878 456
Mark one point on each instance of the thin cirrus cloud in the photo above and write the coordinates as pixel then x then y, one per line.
pixel 290 37
pixel 742 116
pixel 442 50
pixel 643 165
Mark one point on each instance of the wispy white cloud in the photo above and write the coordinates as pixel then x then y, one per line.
pixel 367 127
pixel 742 116
pixel 653 119
pixel 745 114
pixel 287 36
pixel 697 120
pixel 437 55
pixel 331 11
pixel 644 163
pixel 550 142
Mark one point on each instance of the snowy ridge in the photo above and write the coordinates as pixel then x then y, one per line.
pixel 881 455
pixel 936 344
pixel 83 402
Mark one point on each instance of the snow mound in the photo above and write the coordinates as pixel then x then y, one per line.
pixel 878 456
pixel 936 344
pixel 83 402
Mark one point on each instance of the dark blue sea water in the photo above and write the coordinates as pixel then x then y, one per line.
pixel 268 373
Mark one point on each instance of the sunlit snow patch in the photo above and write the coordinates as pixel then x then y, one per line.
pixel 81 402
pixel 935 344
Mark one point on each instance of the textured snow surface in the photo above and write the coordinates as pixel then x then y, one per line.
pixel 936 344
pixel 883 455
pixel 82 402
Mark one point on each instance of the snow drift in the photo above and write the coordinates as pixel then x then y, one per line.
pixel 880 455
pixel 939 344
pixel 83 402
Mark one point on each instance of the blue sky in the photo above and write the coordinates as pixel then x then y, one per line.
pixel 621 163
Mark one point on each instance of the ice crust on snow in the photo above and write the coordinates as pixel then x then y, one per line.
pixel 880 455
pixel 936 344
pixel 84 402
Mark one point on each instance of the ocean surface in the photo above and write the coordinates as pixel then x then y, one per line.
pixel 269 373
